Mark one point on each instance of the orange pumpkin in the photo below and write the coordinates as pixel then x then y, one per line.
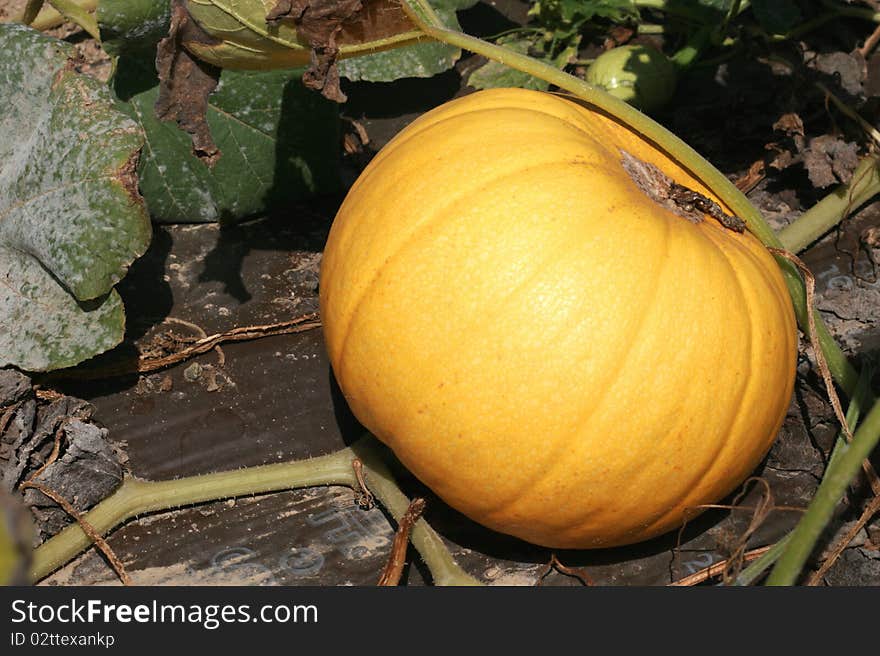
pixel 552 352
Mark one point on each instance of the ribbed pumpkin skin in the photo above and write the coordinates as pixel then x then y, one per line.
pixel 550 351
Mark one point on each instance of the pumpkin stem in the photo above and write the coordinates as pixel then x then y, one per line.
pixel 678 199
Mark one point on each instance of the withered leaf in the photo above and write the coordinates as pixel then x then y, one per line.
pixel 282 9
pixel 829 160
pixel 790 124
pixel 319 23
pixel 790 148
pixel 848 70
pixel 185 83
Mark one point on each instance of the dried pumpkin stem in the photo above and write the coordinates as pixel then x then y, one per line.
pixel 136 497
pixel 365 500
pixel 719 568
pixel 579 573
pixel 810 285
pixel 149 364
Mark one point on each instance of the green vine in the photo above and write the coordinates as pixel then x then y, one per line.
pixel 136 497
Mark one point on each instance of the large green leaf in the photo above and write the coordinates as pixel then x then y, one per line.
pixel 418 60
pixel 71 220
pixel 280 143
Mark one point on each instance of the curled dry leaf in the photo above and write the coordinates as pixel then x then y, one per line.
pixel 185 83
pixel 829 160
pixel 319 23
pixel 263 34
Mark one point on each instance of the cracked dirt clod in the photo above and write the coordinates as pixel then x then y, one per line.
pixel 88 467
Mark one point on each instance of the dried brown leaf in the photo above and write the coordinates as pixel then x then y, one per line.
pixel 186 82
pixel 830 160
pixel 319 23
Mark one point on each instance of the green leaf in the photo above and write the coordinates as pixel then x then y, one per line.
pixel 280 143
pixel 133 25
pixel 71 220
pixel 418 60
pixel 776 16
pixel 50 328
pixel 555 13
pixel 493 74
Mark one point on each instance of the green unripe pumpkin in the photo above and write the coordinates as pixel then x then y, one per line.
pixel 642 76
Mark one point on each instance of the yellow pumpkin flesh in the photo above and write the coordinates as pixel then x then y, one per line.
pixel 548 349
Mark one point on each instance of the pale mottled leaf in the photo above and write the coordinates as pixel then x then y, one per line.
pixel 50 329
pixel 71 220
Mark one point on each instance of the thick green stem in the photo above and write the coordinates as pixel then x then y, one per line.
pixel 832 209
pixel 691 51
pixel 424 17
pixel 845 464
pixel 430 546
pixel 80 12
pixel 137 497
pixel 733 12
